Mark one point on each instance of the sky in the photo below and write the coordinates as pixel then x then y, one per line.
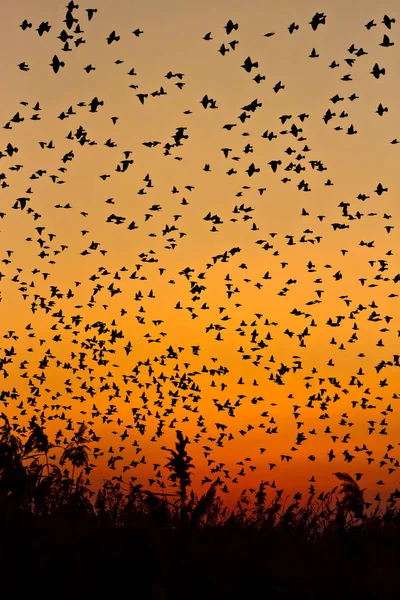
pixel 201 235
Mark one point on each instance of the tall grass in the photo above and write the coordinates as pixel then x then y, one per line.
pixel 177 538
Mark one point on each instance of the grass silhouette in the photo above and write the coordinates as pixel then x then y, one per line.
pixel 55 529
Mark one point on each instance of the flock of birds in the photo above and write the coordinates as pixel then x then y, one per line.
pixel 179 385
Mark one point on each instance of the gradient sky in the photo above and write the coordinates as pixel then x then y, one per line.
pixel 323 324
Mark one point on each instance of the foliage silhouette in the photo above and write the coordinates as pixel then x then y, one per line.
pixel 290 545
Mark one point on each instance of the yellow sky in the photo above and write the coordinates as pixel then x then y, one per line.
pixel 275 275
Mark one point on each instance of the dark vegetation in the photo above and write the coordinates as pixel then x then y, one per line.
pixel 58 537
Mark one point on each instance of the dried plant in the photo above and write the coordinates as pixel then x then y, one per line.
pixel 76 452
pixel 352 496
pixel 179 466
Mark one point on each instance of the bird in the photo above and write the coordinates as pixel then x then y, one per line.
pixel 44 27
pixel 388 21
pixel 317 20
pixel 113 37
pixel 230 26
pixel 57 64
pixel 25 25
pixel 204 286
pixel 293 27
pixel 377 71
pixel 90 13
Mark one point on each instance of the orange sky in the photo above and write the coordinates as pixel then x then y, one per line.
pixel 275 275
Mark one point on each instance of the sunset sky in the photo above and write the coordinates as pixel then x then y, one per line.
pixel 237 277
